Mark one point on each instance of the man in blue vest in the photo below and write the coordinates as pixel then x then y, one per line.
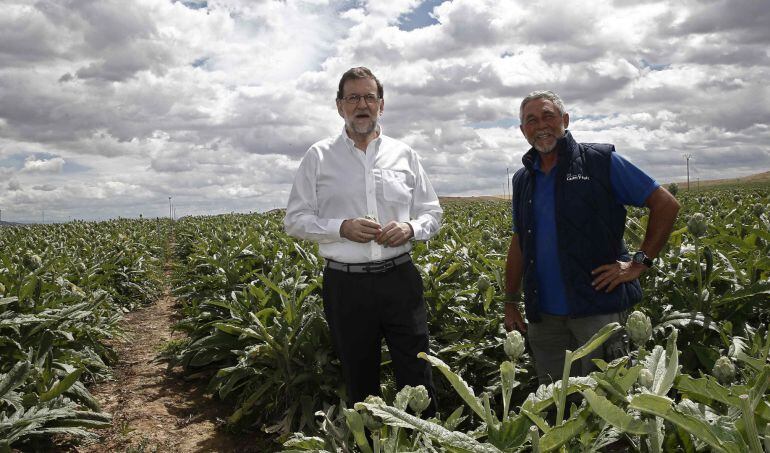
pixel 567 249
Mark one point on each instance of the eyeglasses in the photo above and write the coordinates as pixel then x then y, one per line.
pixel 354 98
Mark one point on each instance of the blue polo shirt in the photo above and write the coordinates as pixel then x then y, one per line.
pixel 630 186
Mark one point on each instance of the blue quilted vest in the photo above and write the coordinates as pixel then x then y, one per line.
pixel 589 225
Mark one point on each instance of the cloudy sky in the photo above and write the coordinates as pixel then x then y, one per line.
pixel 109 107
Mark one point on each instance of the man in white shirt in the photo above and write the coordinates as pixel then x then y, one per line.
pixel 363 196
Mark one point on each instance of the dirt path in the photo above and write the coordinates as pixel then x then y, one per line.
pixel 154 409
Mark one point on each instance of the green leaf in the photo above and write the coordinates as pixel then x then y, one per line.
pixel 454 267
pixel 14 378
pixel 461 387
pixel 356 425
pixel 757 392
pixel 61 386
pixel 614 415
pixel 597 340
pixel 511 433
pixel 454 439
pixel 661 406
pixel 454 419
pixel 299 440
pixel 561 434
pixel 537 420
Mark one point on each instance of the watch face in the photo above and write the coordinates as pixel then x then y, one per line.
pixel 639 257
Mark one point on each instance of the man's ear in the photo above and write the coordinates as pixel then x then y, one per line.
pixel 566 120
pixel 339 107
pixel 382 106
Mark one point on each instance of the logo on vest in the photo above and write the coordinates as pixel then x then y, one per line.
pixel 571 177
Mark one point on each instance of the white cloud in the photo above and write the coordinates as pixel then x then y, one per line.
pixel 32 165
pixel 108 108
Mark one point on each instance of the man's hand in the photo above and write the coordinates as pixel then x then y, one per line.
pixel 360 230
pixel 513 319
pixel 609 276
pixel 395 233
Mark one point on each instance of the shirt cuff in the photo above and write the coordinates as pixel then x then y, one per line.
pixel 415 230
pixel 334 227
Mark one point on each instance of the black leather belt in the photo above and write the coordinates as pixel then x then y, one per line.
pixel 373 267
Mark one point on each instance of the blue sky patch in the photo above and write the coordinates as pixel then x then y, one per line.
pixel 72 167
pixel 420 17
pixel 654 66
pixel 195 4
pixel 200 62
pixel 16 161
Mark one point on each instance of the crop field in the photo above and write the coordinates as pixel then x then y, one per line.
pixel 695 377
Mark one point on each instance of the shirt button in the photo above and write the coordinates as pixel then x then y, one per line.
pixel 529 231
pixel 531 261
pixel 530 201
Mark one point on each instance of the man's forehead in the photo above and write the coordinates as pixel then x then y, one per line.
pixel 539 105
pixel 366 84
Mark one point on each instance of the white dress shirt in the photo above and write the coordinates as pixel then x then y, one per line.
pixel 336 181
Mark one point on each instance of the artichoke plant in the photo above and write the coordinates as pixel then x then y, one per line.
pixel 724 370
pixel 697 224
pixel 514 345
pixel 639 328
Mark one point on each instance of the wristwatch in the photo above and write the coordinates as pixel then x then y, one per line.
pixel 642 258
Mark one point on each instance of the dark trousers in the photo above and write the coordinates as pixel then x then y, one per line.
pixel 361 309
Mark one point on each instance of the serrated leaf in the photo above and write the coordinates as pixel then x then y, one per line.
pixel 461 387
pixel 454 439
pixel 660 406
pixel 14 378
pixel 614 415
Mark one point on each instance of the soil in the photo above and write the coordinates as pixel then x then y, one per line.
pixel 154 409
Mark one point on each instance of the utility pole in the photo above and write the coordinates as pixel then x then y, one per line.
pixel 508 181
pixel 687 159
pixel 170 214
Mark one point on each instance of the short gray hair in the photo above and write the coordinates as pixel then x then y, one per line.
pixel 542 94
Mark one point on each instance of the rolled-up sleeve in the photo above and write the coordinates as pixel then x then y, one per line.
pixel 302 220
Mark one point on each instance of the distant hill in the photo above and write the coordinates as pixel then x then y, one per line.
pixel 758 178
pixel 4 223
pixel 751 179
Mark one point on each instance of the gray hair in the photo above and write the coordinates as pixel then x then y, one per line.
pixel 543 94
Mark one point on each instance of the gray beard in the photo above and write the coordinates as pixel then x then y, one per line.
pixel 544 150
pixel 363 130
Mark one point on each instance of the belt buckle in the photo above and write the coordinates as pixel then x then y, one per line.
pixel 378 266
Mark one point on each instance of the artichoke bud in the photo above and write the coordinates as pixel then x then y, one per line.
pixel 2 289
pixel 514 345
pixel 419 400
pixel 482 284
pixel 646 378
pixel 370 421
pixel 697 224
pixel 758 209
pixel 639 328
pixel 724 370
pixel 33 262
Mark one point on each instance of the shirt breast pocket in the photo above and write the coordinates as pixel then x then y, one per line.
pixel 395 186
